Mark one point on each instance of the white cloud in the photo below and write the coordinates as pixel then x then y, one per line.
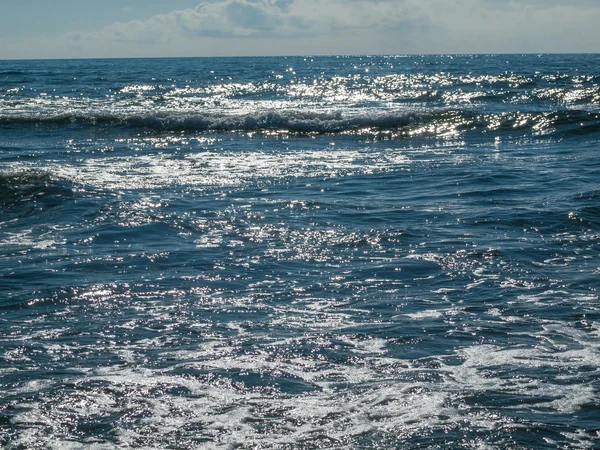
pixel 227 27
pixel 263 18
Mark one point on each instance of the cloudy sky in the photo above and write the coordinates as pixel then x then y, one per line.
pixel 138 28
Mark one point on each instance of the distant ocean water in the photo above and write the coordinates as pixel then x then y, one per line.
pixel 300 253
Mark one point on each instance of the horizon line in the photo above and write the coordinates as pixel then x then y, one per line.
pixel 342 55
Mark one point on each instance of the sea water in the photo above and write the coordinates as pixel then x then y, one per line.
pixel 300 252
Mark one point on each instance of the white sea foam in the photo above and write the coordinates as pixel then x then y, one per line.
pixel 375 394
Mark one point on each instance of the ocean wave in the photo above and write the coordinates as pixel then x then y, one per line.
pixel 288 120
pixel 582 96
pixel 10 180
pixel 28 185
pixel 434 122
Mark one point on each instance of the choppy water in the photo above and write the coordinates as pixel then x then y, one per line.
pixel 298 253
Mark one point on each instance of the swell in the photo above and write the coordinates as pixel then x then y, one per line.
pixel 288 120
pixel 438 121
pixel 28 186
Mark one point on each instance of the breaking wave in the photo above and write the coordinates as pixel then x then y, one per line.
pixel 412 123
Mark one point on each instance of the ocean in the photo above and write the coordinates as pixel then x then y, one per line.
pixel 376 252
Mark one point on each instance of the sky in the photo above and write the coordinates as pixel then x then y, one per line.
pixel 32 29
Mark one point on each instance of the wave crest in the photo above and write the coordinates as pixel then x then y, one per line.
pixel 25 185
pixel 433 122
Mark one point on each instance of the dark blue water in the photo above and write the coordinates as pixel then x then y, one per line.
pixel 299 253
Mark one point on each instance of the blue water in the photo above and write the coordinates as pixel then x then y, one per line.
pixel 300 253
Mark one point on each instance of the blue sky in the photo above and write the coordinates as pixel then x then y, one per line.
pixel 136 28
